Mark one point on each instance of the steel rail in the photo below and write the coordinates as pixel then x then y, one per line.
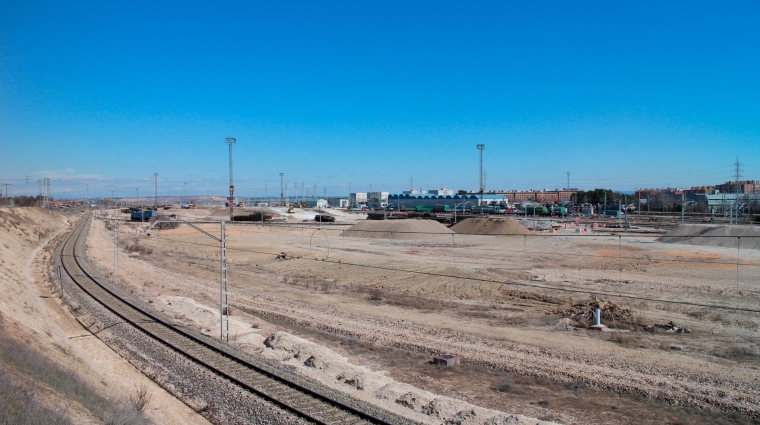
pixel 300 400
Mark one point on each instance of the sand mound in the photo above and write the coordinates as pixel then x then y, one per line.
pixel 397 229
pixel 490 226
pixel 714 235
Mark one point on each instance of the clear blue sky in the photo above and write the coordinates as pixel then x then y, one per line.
pixel 620 94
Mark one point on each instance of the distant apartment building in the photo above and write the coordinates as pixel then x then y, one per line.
pixel 745 187
pixel 540 196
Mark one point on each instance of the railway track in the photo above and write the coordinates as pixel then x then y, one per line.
pixel 304 402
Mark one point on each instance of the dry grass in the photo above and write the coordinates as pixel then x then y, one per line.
pixel 133 245
pixel 626 340
pixel 140 398
pixel 738 353
pixel 20 403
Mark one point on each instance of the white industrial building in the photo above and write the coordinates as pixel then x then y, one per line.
pixel 357 198
pixel 441 192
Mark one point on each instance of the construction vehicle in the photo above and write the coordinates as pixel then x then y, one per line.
pixel 291 210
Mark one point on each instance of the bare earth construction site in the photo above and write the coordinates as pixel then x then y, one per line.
pixel 361 308
pixel 364 311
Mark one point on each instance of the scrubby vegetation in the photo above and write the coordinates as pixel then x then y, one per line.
pixel 26 374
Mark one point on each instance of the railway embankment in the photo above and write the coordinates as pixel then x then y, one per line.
pixel 53 371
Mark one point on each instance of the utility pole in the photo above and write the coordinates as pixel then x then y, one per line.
pixel 28 179
pixel 411 184
pixel 155 205
pixel 737 176
pixel 282 195
pixel 482 187
pixel 224 310
pixel 87 186
pixel 184 199
pixel 298 201
pixel 231 141
pixel 568 180
pixel 116 252
pixel 137 196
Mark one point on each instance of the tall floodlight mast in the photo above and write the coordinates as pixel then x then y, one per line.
pixel 155 196
pixel 231 141
pixel 482 187
pixel 282 194
pixel 736 203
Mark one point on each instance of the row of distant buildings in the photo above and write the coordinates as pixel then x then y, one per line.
pixel 733 197
pixel 743 187
pixel 442 196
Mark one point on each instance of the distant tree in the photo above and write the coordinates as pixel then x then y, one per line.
pixel 26 201
pixel 462 192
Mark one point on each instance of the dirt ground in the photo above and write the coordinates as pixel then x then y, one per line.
pixel 71 374
pixel 387 306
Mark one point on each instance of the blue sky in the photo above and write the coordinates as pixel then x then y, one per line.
pixel 620 94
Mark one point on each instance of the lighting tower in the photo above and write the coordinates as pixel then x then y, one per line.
pixel 737 176
pixel 231 141
pixel 155 196
pixel 480 148
pixel 282 193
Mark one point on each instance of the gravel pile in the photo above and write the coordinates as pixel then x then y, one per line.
pixel 490 226
pixel 397 229
pixel 714 235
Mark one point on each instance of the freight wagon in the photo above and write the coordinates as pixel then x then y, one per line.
pixel 557 210
pixel 431 208
pixel 142 215
pixel 536 210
